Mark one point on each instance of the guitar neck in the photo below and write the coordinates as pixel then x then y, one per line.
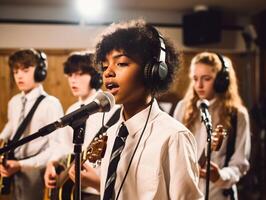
pixel 4 156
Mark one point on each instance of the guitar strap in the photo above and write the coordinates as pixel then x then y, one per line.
pixel 230 148
pixel 115 117
pixel 25 123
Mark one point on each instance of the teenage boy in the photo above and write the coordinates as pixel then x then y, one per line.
pixel 149 154
pixel 29 69
pixel 84 82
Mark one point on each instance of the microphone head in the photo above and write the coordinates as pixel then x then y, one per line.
pixel 105 100
pixel 203 103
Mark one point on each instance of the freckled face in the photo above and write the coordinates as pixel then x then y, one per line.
pixel 203 79
pixel 122 76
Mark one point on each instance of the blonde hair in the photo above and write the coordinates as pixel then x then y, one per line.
pixel 229 101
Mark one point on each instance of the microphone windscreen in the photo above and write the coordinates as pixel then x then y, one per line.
pixel 111 98
pixel 203 103
pixel 106 101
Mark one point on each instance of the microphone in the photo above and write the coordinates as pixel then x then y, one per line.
pixel 203 105
pixel 103 102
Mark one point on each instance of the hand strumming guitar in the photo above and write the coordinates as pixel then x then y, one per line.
pixel 50 174
pixel 10 168
pixel 217 137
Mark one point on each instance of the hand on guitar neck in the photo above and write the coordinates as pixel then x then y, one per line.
pixel 217 138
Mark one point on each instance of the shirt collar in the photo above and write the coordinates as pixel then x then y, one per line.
pixel 137 122
pixel 212 101
pixel 34 93
pixel 89 99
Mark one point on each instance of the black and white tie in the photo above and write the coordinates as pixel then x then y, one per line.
pixel 114 159
pixel 22 112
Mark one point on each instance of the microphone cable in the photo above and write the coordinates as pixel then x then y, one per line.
pixel 135 150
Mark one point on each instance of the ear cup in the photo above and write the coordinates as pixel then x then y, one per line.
pixel 222 81
pixel 40 72
pixel 96 81
pixel 156 71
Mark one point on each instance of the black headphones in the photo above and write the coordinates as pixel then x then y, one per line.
pixel 96 80
pixel 156 71
pixel 40 72
pixel 222 81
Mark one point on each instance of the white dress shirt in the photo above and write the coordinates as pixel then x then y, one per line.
pixel 93 125
pixel 238 164
pixel 165 163
pixel 33 156
pixel 48 110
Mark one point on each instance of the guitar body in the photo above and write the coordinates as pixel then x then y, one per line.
pixel 218 135
pixel 5 182
pixel 66 192
pixel 65 186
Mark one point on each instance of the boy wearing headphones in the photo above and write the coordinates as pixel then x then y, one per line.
pixel 149 154
pixel 26 167
pixel 84 82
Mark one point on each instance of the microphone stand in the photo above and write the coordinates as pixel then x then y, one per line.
pixel 208 166
pixel 40 133
pixel 78 140
pixel 206 119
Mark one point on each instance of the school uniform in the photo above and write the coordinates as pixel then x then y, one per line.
pixel 93 125
pixel 165 163
pixel 33 156
pixel 238 164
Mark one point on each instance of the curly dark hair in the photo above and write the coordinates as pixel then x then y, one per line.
pixel 138 40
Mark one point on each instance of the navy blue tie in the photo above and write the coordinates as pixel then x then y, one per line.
pixel 114 159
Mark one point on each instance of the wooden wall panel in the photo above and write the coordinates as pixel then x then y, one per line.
pixel 56 83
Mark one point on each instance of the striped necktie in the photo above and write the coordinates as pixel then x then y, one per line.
pixel 22 112
pixel 114 159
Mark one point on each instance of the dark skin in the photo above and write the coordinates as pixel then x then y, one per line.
pixel 122 77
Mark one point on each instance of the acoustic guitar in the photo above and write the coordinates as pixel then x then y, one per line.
pixel 5 182
pixel 217 138
pixel 65 186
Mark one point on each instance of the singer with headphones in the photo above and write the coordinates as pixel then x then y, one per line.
pixel 84 82
pixel 28 111
pixel 149 155
pixel 213 80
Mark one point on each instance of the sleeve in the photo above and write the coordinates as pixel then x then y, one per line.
pixel 62 144
pixel 8 129
pixel 239 163
pixel 53 111
pixel 184 172
pixel 179 111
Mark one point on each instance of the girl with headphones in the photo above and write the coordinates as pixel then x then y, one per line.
pixel 149 155
pixel 213 78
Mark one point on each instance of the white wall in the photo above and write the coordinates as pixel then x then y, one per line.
pixel 85 36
